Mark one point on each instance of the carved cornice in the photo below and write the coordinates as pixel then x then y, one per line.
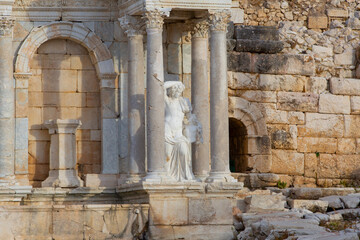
pixel 154 19
pixel 133 26
pixel 200 28
pixel 219 20
pixel 6 26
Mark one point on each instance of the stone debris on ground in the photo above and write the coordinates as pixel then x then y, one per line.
pixel 297 213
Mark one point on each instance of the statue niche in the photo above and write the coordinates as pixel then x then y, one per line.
pixel 181 129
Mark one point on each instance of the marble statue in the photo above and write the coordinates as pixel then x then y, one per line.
pixel 181 129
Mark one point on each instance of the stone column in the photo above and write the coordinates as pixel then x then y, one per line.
pixel 155 102
pixel 7 105
pixel 200 96
pixel 219 120
pixel 63 172
pixel 134 29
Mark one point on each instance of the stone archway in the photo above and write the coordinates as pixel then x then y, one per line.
pixel 104 66
pixel 249 136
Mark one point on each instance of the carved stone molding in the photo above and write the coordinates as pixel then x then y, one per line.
pixel 6 26
pixel 219 20
pixel 132 25
pixel 154 19
pixel 200 28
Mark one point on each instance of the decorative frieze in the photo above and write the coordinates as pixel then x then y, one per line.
pixel 219 20
pixel 132 25
pixel 6 26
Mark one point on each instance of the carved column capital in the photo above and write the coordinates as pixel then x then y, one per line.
pixel 6 26
pixel 154 19
pixel 219 20
pixel 133 26
pixel 200 28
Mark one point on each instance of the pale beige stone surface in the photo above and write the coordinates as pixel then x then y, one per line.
pixel 321 145
pixel 287 162
pixel 329 103
pixel 307 102
pixel 322 125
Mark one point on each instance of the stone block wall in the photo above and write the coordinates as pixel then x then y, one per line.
pixel 308 91
pixel 64 85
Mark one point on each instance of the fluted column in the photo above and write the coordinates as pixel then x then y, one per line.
pixel 155 103
pixel 219 120
pixel 7 105
pixel 134 28
pixel 200 96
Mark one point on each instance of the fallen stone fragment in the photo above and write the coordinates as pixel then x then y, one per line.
pixel 350 201
pixel 335 217
pixel 311 205
pixel 334 202
pixel 305 193
pixel 265 203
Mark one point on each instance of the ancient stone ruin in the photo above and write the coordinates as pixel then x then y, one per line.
pixel 179 119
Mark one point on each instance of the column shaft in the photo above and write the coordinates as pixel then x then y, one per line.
pixel 7 105
pixel 155 102
pixel 136 103
pixel 200 100
pixel 219 121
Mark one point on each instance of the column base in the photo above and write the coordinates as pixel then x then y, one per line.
pixel 134 178
pixel 157 177
pixel 63 178
pixel 220 177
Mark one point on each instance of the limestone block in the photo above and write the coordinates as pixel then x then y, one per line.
pixel 84 134
pixel 265 203
pixel 21 30
pixel 350 201
pixel 174 59
pixel 274 116
pixel 305 193
pixel 243 81
pixel 105 30
pixel 69 225
pixel 21 103
pixel 283 136
pixel 80 62
pixel 287 162
pixel 310 165
pixel 110 160
pixel 169 211
pixel 104 67
pixel 260 163
pixel 355 104
pixel 307 102
pixel 210 211
pixel 55 46
pixel 322 52
pixel 119 33
pixel 100 53
pixel 346 58
pixel 318 22
pixel 55 61
pixel 327 167
pixel 267 33
pixel 89 118
pixel 39 135
pixel 73 48
pixel 352 123
pixel 174 32
pixel 313 145
pixel 259 46
pixel 59 80
pixel 35 83
pixel 109 103
pixel 346 146
pixel 257 96
pixel 337 12
pixel 296 117
pixel 87 81
pixel 39 152
pixel 88 152
pixel 186 58
pixel 334 202
pixel 100 180
pixel 316 85
pixel 35 118
pixel 346 86
pixel 95 135
pixel 269 82
pixel 237 15
pixel 322 125
pixel 92 99
pixel 21 161
pixel 257 145
pixel 21 133
pixel 311 205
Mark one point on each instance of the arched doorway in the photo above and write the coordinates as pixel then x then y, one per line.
pixel 238 146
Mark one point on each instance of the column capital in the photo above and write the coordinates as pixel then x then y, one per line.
pixel 133 25
pixel 154 18
pixel 6 26
pixel 200 28
pixel 219 20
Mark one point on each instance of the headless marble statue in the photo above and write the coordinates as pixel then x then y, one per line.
pixel 181 129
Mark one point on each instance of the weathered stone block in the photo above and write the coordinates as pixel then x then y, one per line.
pixel 355 105
pixel 316 85
pixel 268 82
pixel 55 61
pixel 237 15
pixel 265 203
pixel 307 102
pixel 65 80
pixel 346 146
pixel 297 118
pixel 259 46
pixel 337 12
pixel 318 22
pixel 329 103
pixel 346 58
pixel 310 165
pixel 186 58
pixel 346 86
pixel 89 118
pixel 322 125
pixel 320 145
pixel 53 46
pixel 244 81
pixel 80 62
pixel 169 211
pixel 322 52
pixel 230 44
pixel 105 30
pixel 352 123
pixel 109 148
pixel 210 211
pixel 87 81
pixel 287 162
pixel 257 96
pixel 174 62
pixel 267 33
pixel 305 193
pixel 283 136
pixel 311 205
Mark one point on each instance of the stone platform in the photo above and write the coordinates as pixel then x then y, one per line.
pixel 185 210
